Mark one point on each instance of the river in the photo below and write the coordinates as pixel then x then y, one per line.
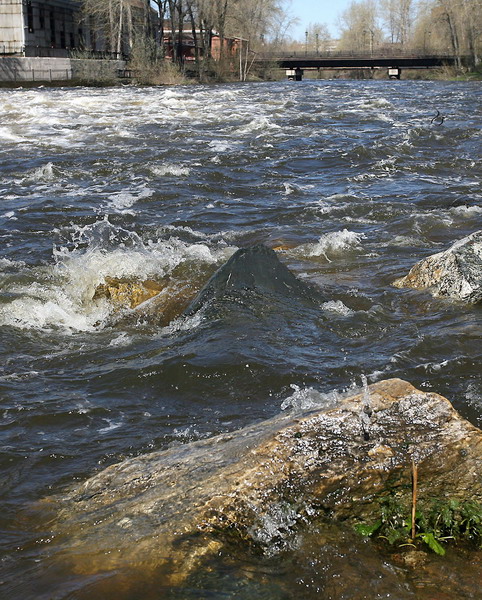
pixel 350 181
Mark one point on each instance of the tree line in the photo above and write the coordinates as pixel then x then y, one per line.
pixel 157 28
pixel 160 26
pixel 428 26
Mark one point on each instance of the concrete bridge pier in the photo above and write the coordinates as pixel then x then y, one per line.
pixel 294 74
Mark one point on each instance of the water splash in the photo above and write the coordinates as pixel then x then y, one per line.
pixel 337 307
pixel 61 295
pixel 366 412
pixel 309 398
pixel 332 245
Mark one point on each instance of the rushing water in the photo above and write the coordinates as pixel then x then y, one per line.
pixel 350 179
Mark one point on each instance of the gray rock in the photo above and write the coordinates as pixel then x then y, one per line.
pixel 261 486
pixel 456 272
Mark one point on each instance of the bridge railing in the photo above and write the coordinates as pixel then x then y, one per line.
pixel 338 54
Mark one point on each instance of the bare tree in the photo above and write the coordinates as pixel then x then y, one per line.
pixel 398 17
pixel 117 22
pixel 471 17
pixel 318 37
pixel 359 27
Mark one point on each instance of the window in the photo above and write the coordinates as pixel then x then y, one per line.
pixel 52 28
pixel 30 17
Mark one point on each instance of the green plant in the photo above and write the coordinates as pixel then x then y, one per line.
pixel 438 523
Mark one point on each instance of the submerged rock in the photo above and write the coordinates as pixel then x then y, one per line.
pixel 456 272
pixel 253 275
pixel 126 293
pixel 261 486
pixel 253 278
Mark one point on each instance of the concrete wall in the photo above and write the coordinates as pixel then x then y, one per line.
pixel 58 69
pixel 35 69
pixel 96 71
pixel 11 26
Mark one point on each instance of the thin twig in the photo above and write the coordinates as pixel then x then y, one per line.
pixel 414 495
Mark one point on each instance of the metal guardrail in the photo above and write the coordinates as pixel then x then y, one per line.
pixel 383 53
pixel 18 75
pixel 48 52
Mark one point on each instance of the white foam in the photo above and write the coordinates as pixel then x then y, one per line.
pixel 467 211
pixel 377 103
pixel 407 241
pixel 19 376
pixel 121 340
pixel 44 173
pixel 7 135
pixel 332 244
pixel 288 189
pixel 259 124
pixel 62 296
pixel 42 313
pixel 6 263
pixel 110 426
pixel 169 169
pixel 222 146
pixel 121 201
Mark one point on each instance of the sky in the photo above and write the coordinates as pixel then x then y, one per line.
pixel 314 11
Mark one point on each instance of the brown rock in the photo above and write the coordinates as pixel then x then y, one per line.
pixel 261 485
pixel 125 293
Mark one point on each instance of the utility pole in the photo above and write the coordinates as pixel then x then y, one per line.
pixel 372 35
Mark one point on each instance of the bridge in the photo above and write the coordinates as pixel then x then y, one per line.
pixel 296 62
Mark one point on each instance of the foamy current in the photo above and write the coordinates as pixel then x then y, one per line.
pixel 348 181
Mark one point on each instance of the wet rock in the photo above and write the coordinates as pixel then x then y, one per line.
pixel 253 276
pixel 148 301
pixel 261 486
pixel 253 280
pixel 125 293
pixel 456 272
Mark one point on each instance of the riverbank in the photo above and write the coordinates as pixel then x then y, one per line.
pixel 35 72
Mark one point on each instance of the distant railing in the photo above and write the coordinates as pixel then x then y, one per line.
pixel 48 52
pixel 376 53
pixel 7 50
pixel 20 75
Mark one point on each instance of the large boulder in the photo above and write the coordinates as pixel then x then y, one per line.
pixel 263 485
pixel 456 272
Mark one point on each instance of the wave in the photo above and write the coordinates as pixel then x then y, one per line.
pixel 260 124
pixel 331 245
pixel 170 169
pixel 61 296
pixel 308 398
pixel 46 172
pixel 124 200
pixel 337 307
